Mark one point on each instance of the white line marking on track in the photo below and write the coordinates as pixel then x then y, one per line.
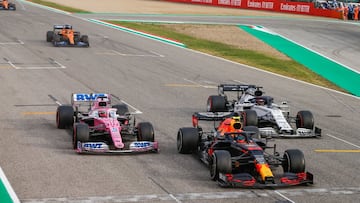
pixel 8 187
pixel 347 142
pixel 12 43
pixel 58 66
pixel 189 197
pixel 117 53
pixel 283 196
pixel 174 198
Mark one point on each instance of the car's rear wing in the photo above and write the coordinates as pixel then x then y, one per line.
pixel 235 87
pixel 62 27
pixel 78 99
pixel 239 88
pixel 209 116
pixel 212 116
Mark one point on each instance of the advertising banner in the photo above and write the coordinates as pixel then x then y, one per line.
pixel 283 6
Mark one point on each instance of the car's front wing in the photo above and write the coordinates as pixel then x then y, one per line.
pixel 67 44
pixel 299 133
pixel 245 180
pixel 103 148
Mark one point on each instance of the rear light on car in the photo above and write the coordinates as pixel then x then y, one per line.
pixel 195 121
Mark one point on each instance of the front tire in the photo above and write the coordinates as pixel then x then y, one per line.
pixel 187 140
pixel 85 39
pixel 145 132
pixel 293 161
pixel 80 133
pixel 49 36
pixel 56 40
pixel 305 119
pixel 221 163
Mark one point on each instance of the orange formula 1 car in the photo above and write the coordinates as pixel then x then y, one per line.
pixel 5 5
pixel 64 35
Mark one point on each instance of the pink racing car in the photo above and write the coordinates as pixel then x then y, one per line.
pixel 103 128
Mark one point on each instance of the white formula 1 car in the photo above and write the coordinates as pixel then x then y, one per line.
pixel 273 120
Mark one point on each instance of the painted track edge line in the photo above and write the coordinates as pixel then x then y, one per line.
pixel 128 30
pixel 8 187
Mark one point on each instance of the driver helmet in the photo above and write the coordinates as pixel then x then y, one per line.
pixel 239 138
pixel 260 102
pixel 102 114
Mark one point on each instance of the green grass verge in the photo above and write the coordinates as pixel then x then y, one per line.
pixel 288 68
pixel 58 6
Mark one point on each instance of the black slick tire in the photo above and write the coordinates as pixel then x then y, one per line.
pixel 187 140
pixel 145 132
pixel 64 116
pixel 293 161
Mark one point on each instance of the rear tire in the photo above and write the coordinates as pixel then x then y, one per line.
pixel 145 132
pixel 216 103
pixel 80 133
pixel 293 161
pixel 304 119
pixel 221 163
pixel 187 140
pixel 64 116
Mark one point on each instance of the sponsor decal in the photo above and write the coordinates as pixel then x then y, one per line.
pixel 230 2
pixel 93 145
pixel 143 145
pixel 202 1
pixel 87 97
pixel 261 4
pixel 295 8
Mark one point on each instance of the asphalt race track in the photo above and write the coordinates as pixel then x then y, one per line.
pixel 167 84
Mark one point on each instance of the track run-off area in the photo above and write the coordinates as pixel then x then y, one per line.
pixel 167 84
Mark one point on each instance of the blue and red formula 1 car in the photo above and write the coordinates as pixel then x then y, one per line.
pixel 102 128
pixel 236 154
